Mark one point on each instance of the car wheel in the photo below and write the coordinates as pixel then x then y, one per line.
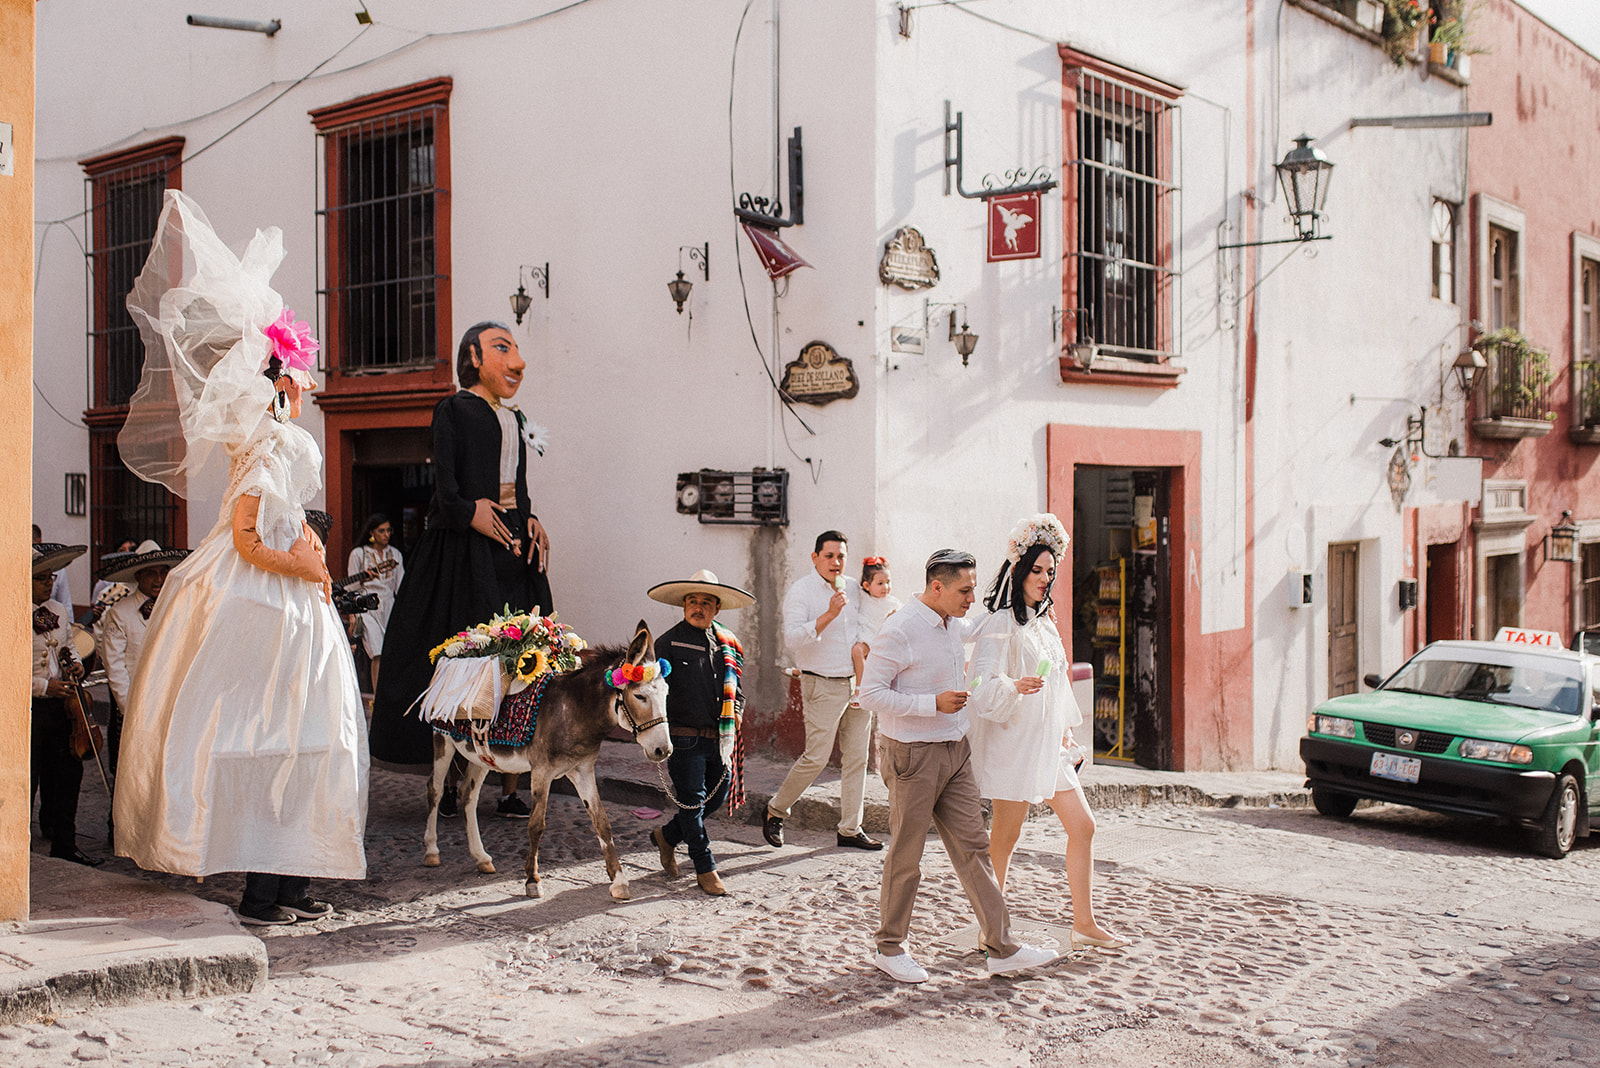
pixel 1332 803
pixel 1559 825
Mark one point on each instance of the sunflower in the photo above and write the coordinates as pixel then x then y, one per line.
pixel 532 663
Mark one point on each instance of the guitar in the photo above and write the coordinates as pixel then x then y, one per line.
pixel 375 571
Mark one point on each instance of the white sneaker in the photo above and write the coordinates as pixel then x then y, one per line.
pixel 901 968
pixel 1026 956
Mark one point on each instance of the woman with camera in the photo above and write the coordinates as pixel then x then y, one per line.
pixel 380 568
pixel 1022 713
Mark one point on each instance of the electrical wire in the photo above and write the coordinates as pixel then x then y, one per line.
pixel 738 259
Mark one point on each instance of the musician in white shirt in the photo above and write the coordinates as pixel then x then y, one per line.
pixel 123 623
pixel 819 627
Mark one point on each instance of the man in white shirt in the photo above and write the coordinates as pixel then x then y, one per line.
pixel 819 628
pixel 914 681
pixel 57 772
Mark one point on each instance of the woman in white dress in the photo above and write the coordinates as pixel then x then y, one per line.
pixel 244 746
pixel 1022 714
pixel 372 554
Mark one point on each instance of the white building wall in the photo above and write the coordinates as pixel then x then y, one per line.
pixel 964 448
pixel 1351 343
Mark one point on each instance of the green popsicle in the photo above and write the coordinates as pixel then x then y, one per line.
pixel 977 680
pixel 1044 668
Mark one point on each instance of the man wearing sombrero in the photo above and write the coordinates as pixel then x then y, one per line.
pixel 124 622
pixel 704 709
pixel 57 772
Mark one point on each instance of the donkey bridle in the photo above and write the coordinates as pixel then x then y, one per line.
pixel 633 724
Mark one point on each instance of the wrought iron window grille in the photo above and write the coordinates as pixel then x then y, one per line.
pixel 737 498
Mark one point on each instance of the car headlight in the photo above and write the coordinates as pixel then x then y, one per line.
pixel 1504 752
pixel 1334 725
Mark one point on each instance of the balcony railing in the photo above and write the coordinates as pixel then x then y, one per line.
pixel 1511 396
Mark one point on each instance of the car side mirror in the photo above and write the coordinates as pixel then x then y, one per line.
pixel 1373 680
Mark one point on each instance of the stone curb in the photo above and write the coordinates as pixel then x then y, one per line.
pixel 65 958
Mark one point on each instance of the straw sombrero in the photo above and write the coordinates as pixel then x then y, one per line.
pixel 51 556
pixel 123 567
pixel 702 581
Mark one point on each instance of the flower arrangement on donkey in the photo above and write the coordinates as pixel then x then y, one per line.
pixel 527 645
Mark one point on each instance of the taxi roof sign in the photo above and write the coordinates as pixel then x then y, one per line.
pixel 1524 636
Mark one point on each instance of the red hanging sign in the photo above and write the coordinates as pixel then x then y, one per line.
pixel 778 258
pixel 1013 227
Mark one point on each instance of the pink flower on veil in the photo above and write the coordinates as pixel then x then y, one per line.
pixel 292 341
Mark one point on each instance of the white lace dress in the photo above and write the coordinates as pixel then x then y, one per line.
pixel 1017 750
pixel 244 746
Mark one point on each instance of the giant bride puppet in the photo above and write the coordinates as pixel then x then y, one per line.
pixel 244 747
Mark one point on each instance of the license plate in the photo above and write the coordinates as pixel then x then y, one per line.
pixel 1396 767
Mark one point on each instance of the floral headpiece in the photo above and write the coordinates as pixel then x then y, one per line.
pixel 874 561
pixel 293 346
pixel 635 674
pixel 1042 529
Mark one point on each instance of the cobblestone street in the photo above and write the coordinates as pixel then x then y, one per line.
pixel 1264 937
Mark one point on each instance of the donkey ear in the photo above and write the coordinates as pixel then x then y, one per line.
pixel 639 649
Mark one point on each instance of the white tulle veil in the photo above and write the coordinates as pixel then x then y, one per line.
pixel 201 311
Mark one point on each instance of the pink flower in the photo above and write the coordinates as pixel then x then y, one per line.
pixel 292 341
pixel 512 631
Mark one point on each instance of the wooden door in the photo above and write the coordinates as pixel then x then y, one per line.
pixel 1444 593
pixel 1343 604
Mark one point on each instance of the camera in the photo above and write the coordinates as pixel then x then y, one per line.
pixel 353 604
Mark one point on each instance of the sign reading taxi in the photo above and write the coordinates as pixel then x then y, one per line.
pixel 1523 636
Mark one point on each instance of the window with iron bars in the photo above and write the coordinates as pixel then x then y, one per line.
pixel 123 194
pixel 1589 582
pixel 380 210
pixel 1588 342
pixel 1122 215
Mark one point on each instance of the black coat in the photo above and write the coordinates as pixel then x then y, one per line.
pixel 455 577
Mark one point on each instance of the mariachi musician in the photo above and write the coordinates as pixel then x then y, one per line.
pixel 61 728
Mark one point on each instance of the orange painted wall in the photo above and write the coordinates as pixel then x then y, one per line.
pixel 16 451
pixel 1210 674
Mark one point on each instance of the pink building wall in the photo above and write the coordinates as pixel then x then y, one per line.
pixel 1542 156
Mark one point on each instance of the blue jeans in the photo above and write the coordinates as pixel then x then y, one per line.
pixel 696 769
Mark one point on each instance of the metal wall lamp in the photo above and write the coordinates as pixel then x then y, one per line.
pixel 1466 368
pixel 1021 179
pixel 1303 174
pixel 768 213
pixel 680 286
pixel 217 22
pixel 1082 348
pixel 1561 544
pixel 521 301
pixel 965 341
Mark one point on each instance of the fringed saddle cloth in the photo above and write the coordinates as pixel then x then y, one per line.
pixel 513 727
pixel 465 692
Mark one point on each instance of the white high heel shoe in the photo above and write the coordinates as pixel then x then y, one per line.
pixel 1080 941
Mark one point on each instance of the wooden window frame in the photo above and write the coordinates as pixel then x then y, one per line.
pixel 1154 366
pixel 104 418
pixel 346 387
pixel 1444 253
pixel 1585 371
pixel 1495 213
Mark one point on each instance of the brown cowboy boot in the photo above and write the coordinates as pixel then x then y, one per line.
pixel 669 859
pixel 711 883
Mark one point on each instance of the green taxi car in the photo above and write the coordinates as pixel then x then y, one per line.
pixel 1492 729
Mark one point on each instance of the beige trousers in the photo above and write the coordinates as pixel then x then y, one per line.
pixel 826 703
pixel 931 783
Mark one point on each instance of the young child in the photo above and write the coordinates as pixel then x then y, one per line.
pixel 878 605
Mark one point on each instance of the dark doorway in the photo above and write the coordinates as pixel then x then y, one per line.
pixel 392 473
pixel 1444 592
pixel 1504 574
pixel 1344 605
pixel 1122 597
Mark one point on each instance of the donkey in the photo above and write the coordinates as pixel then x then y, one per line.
pixel 577 711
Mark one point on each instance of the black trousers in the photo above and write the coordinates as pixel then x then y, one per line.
pixel 263 890
pixel 56 775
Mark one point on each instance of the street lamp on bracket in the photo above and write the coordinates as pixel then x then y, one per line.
pixel 1303 174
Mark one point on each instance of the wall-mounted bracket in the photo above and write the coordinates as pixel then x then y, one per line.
pixel 1021 179
pixel 768 213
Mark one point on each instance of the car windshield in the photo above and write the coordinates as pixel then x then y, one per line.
pixel 1497 678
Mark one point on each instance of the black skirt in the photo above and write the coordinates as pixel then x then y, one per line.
pixel 454 579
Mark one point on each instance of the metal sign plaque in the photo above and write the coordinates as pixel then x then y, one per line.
pixel 1013 227
pixel 819 375
pixel 908 262
pixel 908 339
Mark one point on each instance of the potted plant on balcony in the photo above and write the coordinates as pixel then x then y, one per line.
pixel 1513 403
pixel 1585 428
pixel 1401 21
